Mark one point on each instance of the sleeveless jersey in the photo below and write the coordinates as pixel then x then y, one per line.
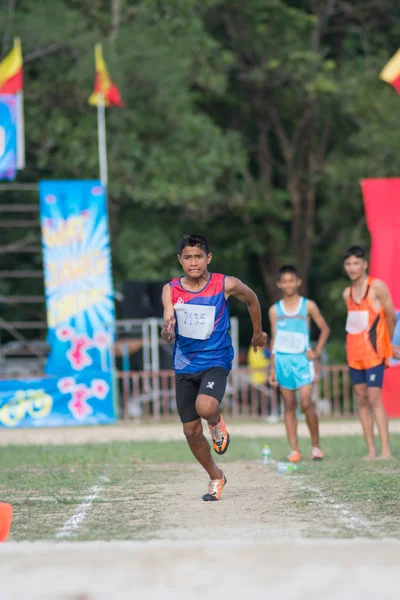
pixel 202 338
pixel 367 341
pixel 292 332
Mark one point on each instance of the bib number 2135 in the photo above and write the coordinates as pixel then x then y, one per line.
pixel 195 321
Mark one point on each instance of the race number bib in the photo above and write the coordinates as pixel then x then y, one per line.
pixel 195 321
pixel 357 321
pixel 290 342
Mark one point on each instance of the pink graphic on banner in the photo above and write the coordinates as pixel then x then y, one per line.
pixel 81 393
pixel 65 333
pixel 99 388
pixel 78 404
pixel 78 354
pixel 66 384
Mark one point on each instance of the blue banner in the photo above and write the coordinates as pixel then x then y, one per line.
pixel 57 401
pixel 77 272
pixel 8 137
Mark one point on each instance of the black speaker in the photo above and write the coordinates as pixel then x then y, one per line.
pixel 142 299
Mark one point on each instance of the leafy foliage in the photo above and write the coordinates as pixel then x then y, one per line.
pixel 251 122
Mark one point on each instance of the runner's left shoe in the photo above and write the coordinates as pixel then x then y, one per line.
pixel 220 436
pixel 294 457
pixel 215 488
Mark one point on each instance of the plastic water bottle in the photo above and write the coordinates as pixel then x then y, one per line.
pixel 266 455
pixel 286 467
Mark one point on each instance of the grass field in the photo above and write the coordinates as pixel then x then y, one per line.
pixel 150 490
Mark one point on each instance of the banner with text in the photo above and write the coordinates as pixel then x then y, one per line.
pixel 8 137
pixel 77 272
pixel 82 399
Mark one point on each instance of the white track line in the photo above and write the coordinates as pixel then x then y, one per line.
pixel 71 525
pixel 341 513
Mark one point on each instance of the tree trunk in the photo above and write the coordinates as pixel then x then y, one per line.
pixel 115 21
pixel 268 268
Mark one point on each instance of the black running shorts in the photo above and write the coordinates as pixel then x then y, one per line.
pixel 189 385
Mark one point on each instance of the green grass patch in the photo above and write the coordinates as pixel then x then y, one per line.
pixel 46 484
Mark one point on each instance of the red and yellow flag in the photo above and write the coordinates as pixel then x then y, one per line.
pixel 391 72
pixel 11 80
pixel 103 84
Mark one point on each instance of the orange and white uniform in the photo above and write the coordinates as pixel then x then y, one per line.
pixel 367 343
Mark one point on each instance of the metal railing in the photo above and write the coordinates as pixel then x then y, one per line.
pixel 151 395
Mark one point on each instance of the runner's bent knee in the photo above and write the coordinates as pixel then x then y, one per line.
pixel 207 406
pixel 193 429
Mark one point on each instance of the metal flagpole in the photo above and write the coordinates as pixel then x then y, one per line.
pixel 101 128
pixel 20 118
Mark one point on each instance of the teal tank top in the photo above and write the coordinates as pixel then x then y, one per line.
pixel 292 331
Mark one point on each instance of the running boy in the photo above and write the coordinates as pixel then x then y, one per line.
pixel 370 325
pixel 292 359
pixel 196 317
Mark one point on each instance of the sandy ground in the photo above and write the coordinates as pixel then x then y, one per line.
pixel 228 549
pixel 256 504
pixel 273 569
pixel 166 432
pixel 233 547
pixel 274 512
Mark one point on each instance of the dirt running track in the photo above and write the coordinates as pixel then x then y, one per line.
pixel 295 570
pixel 201 550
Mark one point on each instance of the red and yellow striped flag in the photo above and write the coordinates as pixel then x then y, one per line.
pixel 11 80
pixel 103 84
pixel 391 72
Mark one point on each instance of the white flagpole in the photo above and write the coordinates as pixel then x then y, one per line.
pixel 20 131
pixel 101 129
pixel 20 116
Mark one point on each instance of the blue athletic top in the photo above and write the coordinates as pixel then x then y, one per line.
pixel 202 338
pixel 292 330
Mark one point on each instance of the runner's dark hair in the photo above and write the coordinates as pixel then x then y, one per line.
pixel 193 240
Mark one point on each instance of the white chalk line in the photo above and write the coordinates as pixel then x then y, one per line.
pixel 341 513
pixel 73 523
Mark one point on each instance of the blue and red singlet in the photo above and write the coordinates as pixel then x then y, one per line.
pixel 202 338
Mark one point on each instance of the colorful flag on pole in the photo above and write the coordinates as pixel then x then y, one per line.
pixel 391 72
pixel 11 70
pixel 103 84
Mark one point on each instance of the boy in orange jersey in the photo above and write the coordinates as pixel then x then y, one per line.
pixel 370 325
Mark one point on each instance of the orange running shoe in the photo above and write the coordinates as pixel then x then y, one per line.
pixel 316 453
pixel 215 488
pixel 294 456
pixel 220 436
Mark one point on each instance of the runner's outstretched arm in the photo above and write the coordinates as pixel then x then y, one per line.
pixel 381 290
pixel 236 288
pixel 319 320
pixel 385 298
pixel 168 330
pixel 272 321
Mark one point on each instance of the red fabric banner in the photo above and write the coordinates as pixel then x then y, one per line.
pixel 382 211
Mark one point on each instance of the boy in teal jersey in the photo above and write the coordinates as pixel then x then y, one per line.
pixel 292 366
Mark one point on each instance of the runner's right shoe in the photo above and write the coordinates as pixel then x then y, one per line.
pixel 294 456
pixel 316 453
pixel 220 436
pixel 215 488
